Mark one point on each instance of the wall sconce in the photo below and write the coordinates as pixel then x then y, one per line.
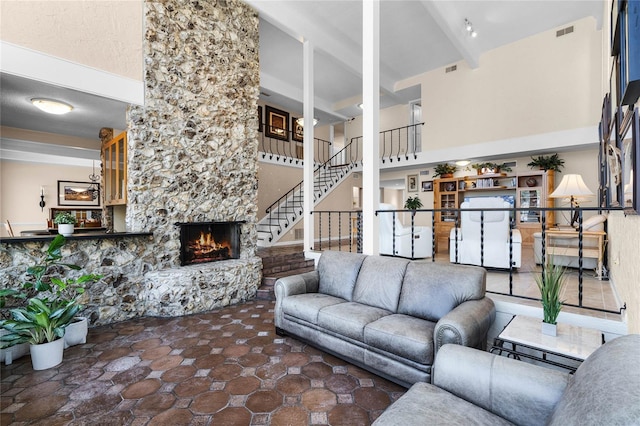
pixel 42 203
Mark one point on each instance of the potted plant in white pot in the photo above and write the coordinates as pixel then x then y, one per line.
pixel 66 222
pixel 51 313
pixel 550 283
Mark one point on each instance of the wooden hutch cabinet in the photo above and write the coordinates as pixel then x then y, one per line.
pixel 527 189
pixel 114 160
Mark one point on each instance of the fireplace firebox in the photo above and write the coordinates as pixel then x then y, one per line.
pixel 202 242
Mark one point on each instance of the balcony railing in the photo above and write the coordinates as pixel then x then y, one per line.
pixel 290 150
pixel 342 230
pixel 396 144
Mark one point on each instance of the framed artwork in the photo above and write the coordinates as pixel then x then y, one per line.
pixel 630 161
pixel 427 186
pixel 260 119
pixel 297 131
pixel 277 124
pixel 412 183
pixel 73 193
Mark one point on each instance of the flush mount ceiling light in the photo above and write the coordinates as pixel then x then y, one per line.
pixel 468 26
pixel 300 121
pixel 51 106
pixel 462 163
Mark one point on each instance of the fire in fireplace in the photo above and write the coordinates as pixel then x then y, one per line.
pixel 202 242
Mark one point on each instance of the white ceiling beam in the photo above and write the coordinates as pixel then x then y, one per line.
pixel 451 23
pixel 303 27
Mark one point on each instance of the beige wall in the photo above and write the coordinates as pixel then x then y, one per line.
pixel 275 180
pixel 537 85
pixel 624 240
pixel 111 31
pixel 20 185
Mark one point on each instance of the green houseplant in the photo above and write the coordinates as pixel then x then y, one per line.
pixel 413 203
pixel 65 222
pixel 43 321
pixel 490 168
pixel 547 162
pixel 550 283
pixel 445 170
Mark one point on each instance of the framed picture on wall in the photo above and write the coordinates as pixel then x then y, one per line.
pixel 260 119
pixel 427 186
pixel 297 131
pixel 412 183
pixel 73 193
pixel 277 124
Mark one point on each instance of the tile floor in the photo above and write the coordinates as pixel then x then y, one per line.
pixel 226 367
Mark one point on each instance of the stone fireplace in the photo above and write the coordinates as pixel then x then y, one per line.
pixel 193 151
pixel 203 242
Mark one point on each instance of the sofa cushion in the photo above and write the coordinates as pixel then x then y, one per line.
pixel 402 335
pixel 431 290
pixel 606 387
pixel 426 404
pixel 593 222
pixel 349 319
pixel 379 282
pixel 338 272
pixel 307 306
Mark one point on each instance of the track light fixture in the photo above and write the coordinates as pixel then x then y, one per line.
pixel 468 26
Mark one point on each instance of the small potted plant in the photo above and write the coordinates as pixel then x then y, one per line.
pixel 65 222
pixel 44 320
pixel 550 283
pixel 445 170
pixel 413 203
pixel 488 168
pixel 547 162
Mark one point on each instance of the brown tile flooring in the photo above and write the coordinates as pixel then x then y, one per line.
pixel 226 367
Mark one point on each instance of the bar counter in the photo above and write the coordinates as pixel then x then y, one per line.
pixel 75 236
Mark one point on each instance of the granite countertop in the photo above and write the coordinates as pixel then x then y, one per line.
pixel 76 236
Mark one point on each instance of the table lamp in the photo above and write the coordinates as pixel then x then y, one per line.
pixel 572 187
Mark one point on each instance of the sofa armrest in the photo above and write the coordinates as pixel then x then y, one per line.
pixel 522 393
pixel 307 282
pixel 467 324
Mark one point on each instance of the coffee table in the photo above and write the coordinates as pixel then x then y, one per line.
pixel 572 343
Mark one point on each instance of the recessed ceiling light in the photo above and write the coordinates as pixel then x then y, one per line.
pixel 51 106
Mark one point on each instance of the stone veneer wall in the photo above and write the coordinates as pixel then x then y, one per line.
pixel 193 147
pixel 193 156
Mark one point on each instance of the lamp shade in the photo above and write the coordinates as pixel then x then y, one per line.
pixel 571 186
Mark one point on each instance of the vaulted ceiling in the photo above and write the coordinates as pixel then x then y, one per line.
pixel 415 37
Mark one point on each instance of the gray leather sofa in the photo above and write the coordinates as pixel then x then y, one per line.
pixel 388 315
pixel 472 387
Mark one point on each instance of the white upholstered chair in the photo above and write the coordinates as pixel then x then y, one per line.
pixel 493 251
pixel 422 237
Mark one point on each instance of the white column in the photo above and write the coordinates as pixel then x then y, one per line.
pixel 307 112
pixel 371 124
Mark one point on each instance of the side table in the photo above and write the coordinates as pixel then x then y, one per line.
pixel 597 252
pixel 571 344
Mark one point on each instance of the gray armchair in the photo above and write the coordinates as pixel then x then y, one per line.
pixel 471 387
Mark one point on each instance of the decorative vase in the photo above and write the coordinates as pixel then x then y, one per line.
pixel 47 355
pixel 531 182
pixel 76 332
pixel 65 229
pixel 549 329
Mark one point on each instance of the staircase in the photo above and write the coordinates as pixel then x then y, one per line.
pixel 278 262
pixel 287 210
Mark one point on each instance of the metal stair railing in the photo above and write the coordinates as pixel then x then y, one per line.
pixel 325 176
